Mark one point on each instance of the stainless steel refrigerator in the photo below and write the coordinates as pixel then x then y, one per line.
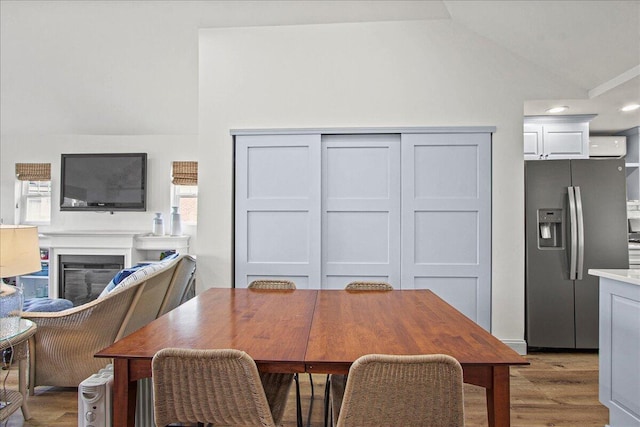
pixel 576 219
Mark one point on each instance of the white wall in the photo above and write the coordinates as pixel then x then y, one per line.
pixel 98 67
pixel 419 73
pixel 161 151
pixel 98 76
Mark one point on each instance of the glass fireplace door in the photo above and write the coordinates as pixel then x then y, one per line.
pixel 83 277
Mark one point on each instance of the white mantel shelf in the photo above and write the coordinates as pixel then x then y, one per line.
pixel 88 239
pixel 112 239
pixel 152 242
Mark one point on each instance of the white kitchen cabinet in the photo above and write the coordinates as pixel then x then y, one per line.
pixel 410 206
pixel 632 162
pixel 533 141
pixel 619 376
pixel 556 137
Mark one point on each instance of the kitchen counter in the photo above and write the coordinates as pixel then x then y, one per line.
pixel 619 340
pixel 631 276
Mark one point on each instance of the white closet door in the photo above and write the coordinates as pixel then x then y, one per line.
pixel 446 219
pixel 277 228
pixel 361 209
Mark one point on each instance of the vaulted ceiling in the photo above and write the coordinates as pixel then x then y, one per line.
pixel 594 45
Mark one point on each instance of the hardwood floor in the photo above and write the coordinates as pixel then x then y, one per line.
pixel 557 389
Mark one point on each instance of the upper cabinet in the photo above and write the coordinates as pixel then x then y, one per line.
pixel 632 161
pixel 556 137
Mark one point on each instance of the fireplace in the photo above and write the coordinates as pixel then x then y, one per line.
pixel 83 277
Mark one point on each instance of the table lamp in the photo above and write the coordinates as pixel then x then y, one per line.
pixel 19 254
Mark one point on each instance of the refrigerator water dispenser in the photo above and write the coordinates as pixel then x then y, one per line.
pixel 550 228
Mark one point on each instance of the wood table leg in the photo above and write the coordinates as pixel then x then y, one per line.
pixel 124 394
pixel 498 398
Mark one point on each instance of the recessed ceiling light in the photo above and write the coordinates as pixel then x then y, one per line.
pixel 559 109
pixel 630 107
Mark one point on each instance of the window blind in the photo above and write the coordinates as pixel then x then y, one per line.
pixel 184 173
pixel 33 171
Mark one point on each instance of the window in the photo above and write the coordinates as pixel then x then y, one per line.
pixel 33 193
pixel 186 198
pixel 35 202
pixel 184 180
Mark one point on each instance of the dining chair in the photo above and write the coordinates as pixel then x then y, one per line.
pixel 221 387
pixel 272 284
pixel 368 286
pixel 416 390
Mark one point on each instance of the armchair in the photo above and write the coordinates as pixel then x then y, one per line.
pixel 61 353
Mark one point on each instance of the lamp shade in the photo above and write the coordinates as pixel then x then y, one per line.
pixel 19 250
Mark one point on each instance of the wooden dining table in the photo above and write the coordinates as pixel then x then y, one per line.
pixel 316 331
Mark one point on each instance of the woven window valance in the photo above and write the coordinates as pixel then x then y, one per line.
pixel 184 173
pixel 33 171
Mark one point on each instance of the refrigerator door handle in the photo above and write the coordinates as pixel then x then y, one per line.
pixel 580 218
pixel 573 251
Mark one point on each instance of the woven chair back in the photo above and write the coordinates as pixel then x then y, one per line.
pixel 272 284
pixel 92 327
pixel 385 390
pixel 182 279
pixel 221 387
pixel 369 286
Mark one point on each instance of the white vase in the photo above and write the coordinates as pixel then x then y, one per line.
pixel 176 226
pixel 158 225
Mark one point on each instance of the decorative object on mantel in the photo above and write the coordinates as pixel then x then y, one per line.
pixel 176 226
pixel 158 225
pixel 19 254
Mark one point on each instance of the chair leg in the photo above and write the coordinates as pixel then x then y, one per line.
pixel 298 404
pixel 310 412
pixel 327 397
pixel 311 382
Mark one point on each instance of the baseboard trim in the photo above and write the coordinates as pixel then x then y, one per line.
pixel 519 346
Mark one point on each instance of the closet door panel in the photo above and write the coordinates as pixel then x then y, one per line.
pixel 277 230
pixel 287 229
pixel 447 238
pixel 451 287
pixel 444 171
pixel 446 219
pixel 361 209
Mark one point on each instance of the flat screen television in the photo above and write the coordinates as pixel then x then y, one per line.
pixel 103 182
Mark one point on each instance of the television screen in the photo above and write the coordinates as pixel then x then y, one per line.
pixel 103 182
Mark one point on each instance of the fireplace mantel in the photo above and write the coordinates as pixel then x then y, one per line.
pixel 88 239
pixel 134 246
